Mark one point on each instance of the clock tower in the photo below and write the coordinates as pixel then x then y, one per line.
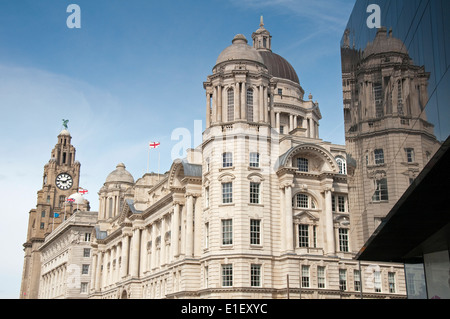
pixel 60 181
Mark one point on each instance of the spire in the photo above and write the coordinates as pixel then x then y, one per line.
pixel 262 40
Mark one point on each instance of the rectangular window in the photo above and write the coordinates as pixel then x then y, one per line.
pixel 381 190
pixel 230 109
pixel 255 231
pixel 206 235
pixel 250 105
pixel 87 236
pixel 305 276
pixel 227 159
pixel 227 232
pixel 206 197
pixel 255 276
pixel 280 91
pixel 357 280
pixel 206 272
pixel 302 201
pixel 399 98
pixel 321 277
pixel 410 155
pixel 43 213
pixel 391 280
pixel 227 193
pixel 302 164
pixel 42 226
pixel 378 95
pixel 377 281
pixel 281 129
pixel 303 236
pixel 342 279
pixel 379 156
pixel 86 252
pixel 341 203
pixel 333 203
pixel 254 159
pixel 227 275
pixel 343 239
pixel 254 193
pixel 85 269
pixel 84 287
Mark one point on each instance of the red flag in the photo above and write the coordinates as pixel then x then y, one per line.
pixel 70 200
pixel 154 144
pixel 82 191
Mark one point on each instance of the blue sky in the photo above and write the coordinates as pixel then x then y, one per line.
pixel 131 74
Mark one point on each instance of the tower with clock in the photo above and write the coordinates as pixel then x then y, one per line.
pixel 60 182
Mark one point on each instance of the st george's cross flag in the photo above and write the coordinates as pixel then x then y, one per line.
pixel 82 191
pixel 154 144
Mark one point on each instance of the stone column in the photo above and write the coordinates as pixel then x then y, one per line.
pixel 143 252
pixel 214 106
pixel 124 267
pixel 198 226
pixel 98 275
pixel 189 225
pixel 111 268
pixel 237 99
pixel 265 104
pixel 289 226
pixel 329 224
pixel 244 102
pixel 105 269
pixel 134 265
pixel 291 122
pixel 153 260
pixel 162 256
pixel 93 270
pixel 261 103
pixel 175 232
pixel 295 122
pixel 208 110
pixel 118 262
pixel 271 120
pixel 219 103
pixel 277 121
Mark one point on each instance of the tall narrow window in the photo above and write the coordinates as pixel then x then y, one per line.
pixel 250 105
pixel 342 165
pixel 357 280
pixel 255 232
pixel 391 280
pixel 378 96
pixel 227 275
pixel 206 197
pixel 381 190
pixel 254 159
pixel 410 155
pixel 254 193
pixel 230 96
pixel 206 235
pixel 227 159
pixel 305 276
pixel 227 232
pixel 341 204
pixel 400 98
pixel 302 201
pixel 379 156
pixel 342 279
pixel 227 193
pixel 303 236
pixel 302 164
pixel 255 276
pixel 320 277
pixel 377 281
pixel 343 239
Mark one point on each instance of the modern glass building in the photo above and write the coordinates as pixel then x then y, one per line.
pixel 396 89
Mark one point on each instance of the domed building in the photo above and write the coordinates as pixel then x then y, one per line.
pixel 258 210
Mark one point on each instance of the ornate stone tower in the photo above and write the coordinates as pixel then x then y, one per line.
pixel 388 137
pixel 60 181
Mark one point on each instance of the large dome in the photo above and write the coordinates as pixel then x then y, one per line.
pixel 239 50
pixel 384 43
pixel 120 175
pixel 278 66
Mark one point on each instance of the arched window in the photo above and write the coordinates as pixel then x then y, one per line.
pixel 250 105
pixel 342 165
pixel 230 96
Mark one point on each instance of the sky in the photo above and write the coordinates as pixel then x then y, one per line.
pixel 133 73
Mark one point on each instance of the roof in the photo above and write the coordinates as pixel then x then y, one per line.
pixel 120 175
pixel 239 50
pixel 419 222
pixel 278 66
pixel 191 169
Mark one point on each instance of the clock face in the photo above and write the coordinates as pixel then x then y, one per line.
pixel 64 181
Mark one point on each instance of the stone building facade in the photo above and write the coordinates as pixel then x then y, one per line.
pixel 388 137
pixel 259 210
pixel 66 259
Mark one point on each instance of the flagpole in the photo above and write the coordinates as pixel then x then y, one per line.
pixel 65 201
pixel 148 159
pixel 158 164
